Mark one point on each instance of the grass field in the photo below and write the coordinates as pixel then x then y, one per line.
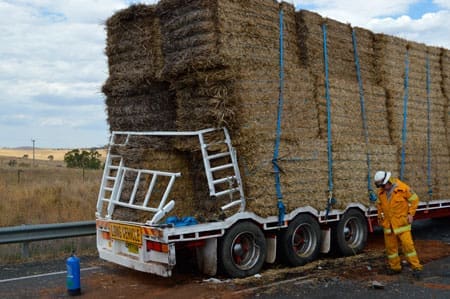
pixel 43 191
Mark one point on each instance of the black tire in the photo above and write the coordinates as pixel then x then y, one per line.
pixel 242 250
pixel 349 236
pixel 300 242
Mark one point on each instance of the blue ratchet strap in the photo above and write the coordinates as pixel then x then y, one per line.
pixel 430 190
pixel 276 168
pixel 405 114
pixel 372 195
pixel 331 201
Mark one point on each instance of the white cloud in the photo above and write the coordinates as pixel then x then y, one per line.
pixel 442 3
pixel 432 28
pixel 357 11
pixel 15 118
pixel 52 63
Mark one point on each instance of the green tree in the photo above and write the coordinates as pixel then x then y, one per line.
pixel 83 159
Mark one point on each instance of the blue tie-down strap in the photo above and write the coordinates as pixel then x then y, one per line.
pixel 281 212
pixel 372 196
pixel 330 203
pixel 185 221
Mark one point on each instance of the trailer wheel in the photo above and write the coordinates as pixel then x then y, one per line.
pixel 350 234
pixel 243 250
pixel 300 242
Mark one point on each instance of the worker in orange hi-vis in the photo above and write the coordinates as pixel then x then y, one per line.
pixel 396 205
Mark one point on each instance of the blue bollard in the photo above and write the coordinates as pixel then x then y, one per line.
pixel 73 275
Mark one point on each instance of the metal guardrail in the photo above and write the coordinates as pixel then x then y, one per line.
pixel 40 232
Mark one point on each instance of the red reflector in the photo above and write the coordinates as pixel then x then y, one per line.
pixel 106 236
pixel 156 246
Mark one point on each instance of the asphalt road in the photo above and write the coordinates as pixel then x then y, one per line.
pixel 104 280
pixel 434 284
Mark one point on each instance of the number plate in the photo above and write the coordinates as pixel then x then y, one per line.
pixel 128 233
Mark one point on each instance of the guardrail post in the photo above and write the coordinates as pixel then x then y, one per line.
pixel 25 249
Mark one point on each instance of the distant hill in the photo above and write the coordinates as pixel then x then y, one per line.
pixel 42 153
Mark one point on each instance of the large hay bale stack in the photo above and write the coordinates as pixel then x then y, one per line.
pixel 240 89
pixel 445 85
pixel 137 99
pixel 348 132
pixel 210 63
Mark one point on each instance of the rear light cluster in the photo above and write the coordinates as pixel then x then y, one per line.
pixel 156 246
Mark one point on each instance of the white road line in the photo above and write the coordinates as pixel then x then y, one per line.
pixel 45 274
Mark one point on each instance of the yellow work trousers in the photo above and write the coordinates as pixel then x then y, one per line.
pixel 391 243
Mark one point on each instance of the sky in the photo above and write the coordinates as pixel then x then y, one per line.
pixel 52 61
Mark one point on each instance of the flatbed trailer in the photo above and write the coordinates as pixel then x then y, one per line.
pixel 238 245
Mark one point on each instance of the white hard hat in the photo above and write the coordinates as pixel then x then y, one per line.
pixel 382 177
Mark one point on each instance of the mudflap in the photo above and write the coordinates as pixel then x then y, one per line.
pixel 326 240
pixel 271 249
pixel 207 257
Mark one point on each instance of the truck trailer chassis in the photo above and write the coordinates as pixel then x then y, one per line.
pixel 240 244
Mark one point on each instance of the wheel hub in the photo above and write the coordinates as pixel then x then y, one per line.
pixel 238 250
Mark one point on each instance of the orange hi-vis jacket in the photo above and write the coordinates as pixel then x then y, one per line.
pixel 393 213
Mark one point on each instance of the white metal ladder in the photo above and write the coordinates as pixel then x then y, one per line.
pixel 233 179
pixel 113 181
pixel 109 185
pixel 115 171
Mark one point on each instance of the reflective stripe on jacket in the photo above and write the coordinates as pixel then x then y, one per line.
pixel 393 213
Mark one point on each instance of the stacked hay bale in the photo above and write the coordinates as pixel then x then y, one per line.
pixel 350 150
pixel 439 125
pixel 302 154
pixel 258 98
pixel 237 84
pixel 137 99
pixel 439 154
pixel 218 63
pixel 412 143
pixel 445 85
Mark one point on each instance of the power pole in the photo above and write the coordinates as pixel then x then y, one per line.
pixel 33 149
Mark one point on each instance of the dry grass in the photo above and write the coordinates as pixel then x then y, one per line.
pixel 46 192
